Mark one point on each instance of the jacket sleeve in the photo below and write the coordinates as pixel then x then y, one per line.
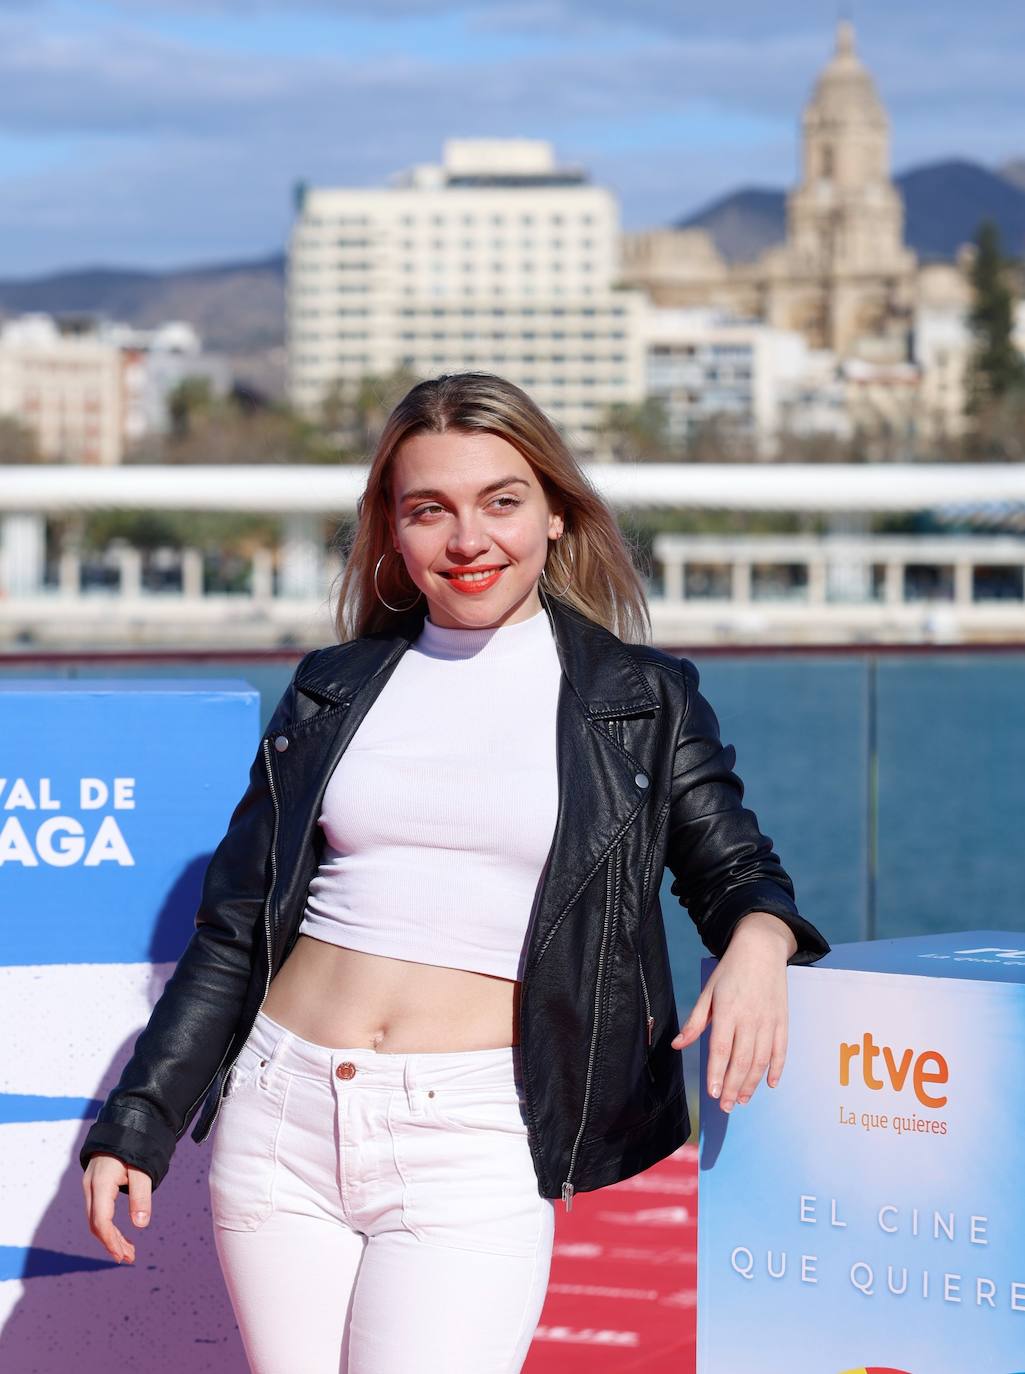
pixel 723 866
pixel 177 1054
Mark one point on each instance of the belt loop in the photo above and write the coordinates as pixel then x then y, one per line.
pixel 409 1082
pixel 280 1044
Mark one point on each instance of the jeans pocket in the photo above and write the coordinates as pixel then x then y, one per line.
pixel 242 1072
pixel 468 1175
pixel 478 1109
pixel 244 1154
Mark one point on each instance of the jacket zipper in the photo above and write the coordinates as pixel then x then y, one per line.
pixel 273 868
pixel 647 1005
pixel 611 886
pixel 611 901
pixel 651 853
pixel 267 928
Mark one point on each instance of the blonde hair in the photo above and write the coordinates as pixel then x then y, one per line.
pixel 597 569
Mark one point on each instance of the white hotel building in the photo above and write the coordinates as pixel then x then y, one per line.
pixel 496 260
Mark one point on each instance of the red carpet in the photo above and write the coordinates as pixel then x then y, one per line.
pixel 622 1295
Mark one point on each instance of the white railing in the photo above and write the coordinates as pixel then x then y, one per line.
pixel 755 589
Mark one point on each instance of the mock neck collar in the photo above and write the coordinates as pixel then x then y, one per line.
pixel 494 641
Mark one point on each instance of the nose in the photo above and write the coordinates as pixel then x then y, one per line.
pixel 468 538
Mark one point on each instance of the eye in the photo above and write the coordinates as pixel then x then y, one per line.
pixel 512 501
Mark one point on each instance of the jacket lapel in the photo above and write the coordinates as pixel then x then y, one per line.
pixel 599 794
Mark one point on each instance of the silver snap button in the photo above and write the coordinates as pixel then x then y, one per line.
pixel 641 779
pixel 281 743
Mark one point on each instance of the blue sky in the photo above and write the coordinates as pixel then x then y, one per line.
pixel 159 133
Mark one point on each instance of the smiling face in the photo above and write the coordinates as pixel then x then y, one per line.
pixel 466 502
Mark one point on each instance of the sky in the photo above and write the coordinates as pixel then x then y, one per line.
pixel 171 133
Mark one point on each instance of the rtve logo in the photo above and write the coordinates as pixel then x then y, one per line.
pixel 927 1067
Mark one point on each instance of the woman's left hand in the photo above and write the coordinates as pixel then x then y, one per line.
pixel 746 999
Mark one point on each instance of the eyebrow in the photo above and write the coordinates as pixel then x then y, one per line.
pixel 421 493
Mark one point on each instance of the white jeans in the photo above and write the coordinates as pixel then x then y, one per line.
pixel 378 1213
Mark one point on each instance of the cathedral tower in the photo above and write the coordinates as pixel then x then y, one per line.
pixel 845 221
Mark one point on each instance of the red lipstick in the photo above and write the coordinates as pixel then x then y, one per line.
pixel 475 585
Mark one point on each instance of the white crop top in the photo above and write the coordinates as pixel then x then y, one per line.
pixel 439 816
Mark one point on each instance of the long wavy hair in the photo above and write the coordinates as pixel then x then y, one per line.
pixel 597 569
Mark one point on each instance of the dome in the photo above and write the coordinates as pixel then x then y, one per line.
pixel 845 91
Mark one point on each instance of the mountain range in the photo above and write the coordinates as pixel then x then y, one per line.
pixel 238 307
pixel 944 203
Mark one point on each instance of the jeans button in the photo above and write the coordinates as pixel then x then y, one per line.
pixel 346 1070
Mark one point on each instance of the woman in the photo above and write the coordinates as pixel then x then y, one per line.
pixel 429 990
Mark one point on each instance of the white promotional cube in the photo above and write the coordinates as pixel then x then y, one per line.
pixel 868 1213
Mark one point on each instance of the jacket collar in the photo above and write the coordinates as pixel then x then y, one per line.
pixel 596 662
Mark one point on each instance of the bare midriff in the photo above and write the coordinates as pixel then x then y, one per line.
pixel 346 998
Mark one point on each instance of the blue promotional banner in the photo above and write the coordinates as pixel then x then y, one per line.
pixel 113 796
pixel 868 1213
pixel 109 793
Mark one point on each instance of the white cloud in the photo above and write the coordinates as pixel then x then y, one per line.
pixel 175 143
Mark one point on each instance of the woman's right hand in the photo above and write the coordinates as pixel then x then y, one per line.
pixel 101 1181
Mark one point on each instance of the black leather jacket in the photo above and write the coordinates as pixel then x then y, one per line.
pixel 644 783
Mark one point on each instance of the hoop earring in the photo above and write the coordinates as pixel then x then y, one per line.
pixel 549 587
pixel 381 598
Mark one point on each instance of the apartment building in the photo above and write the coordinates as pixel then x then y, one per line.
pixel 497 260
pixel 86 388
pixel 66 387
pixel 706 364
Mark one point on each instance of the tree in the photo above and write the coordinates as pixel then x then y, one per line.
pixel 637 431
pixel 191 398
pixel 996 367
pixel 18 443
pixel 238 428
pixel 353 413
pixel 720 437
